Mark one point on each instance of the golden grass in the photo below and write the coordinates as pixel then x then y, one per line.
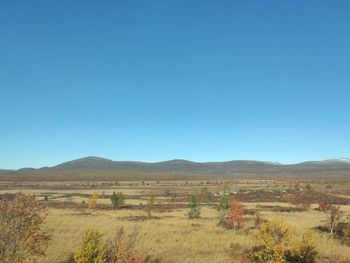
pixel 170 237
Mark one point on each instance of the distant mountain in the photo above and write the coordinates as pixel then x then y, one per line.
pixel 93 163
pixel 184 166
pixel 5 171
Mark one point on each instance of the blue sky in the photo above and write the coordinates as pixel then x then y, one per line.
pixel 157 80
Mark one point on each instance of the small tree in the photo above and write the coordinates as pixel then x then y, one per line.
pixel 117 200
pixel 21 234
pixel 92 248
pixel 93 201
pixel 150 205
pixel 335 215
pixel 224 202
pixel 193 205
pixel 235 217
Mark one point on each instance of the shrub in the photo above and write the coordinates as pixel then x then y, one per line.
pixel 93 201
pixel 235 216
pixel 21 235
pixel 258 220
pixel 224 202
pixel 308 187
pixel 324 204
pixel 206 194
pixel 92 248
pixel 300 200
pixel 346 230
pixel 150 205
pixel 272 240
pixel 122 250
pixel 117 200
pixel 276 243
pixel 328 187
pixel 195 210
pixel 335 215
pixel 227 186
pixel 304 250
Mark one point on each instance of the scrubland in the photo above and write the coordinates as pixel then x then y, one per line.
pixel 168 235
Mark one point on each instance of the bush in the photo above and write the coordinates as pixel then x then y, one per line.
pixel 224 202
pixel 93 201
pixel 233 219
pixel 258 220
pixel 117 200
pixel 300 200
pixel 325 203
pixel 150 204
pixel 276 243
pixel 92 249
pixel 272 241
pixel 21 236
pixel 195 210
pixel 304 250
pixel 334 217
pixel 205 193
pixel 122 250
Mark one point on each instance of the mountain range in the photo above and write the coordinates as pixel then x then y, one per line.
pixel 184 166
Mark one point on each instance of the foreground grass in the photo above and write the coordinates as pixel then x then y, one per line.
pixel 170 237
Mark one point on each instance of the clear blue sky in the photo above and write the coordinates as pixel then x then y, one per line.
pixel 157 80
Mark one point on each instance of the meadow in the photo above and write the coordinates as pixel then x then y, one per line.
pixel 168 235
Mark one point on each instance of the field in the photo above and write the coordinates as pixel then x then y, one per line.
pixel 168 236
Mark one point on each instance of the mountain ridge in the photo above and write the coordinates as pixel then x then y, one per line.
pixel 186 166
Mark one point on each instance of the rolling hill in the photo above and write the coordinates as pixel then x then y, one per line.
pixel 184 166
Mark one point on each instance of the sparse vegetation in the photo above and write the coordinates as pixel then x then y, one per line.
pixel 169 201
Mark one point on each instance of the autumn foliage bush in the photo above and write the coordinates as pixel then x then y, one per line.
pixel 300 200
pixel 234 218
pixel 277 243
pixel 324 204
pixel 93 249
pixel 93 201
pixel 21 232
pixel 122 250
pixel 119 250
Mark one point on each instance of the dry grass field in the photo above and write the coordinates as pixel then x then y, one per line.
pixel 168 236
